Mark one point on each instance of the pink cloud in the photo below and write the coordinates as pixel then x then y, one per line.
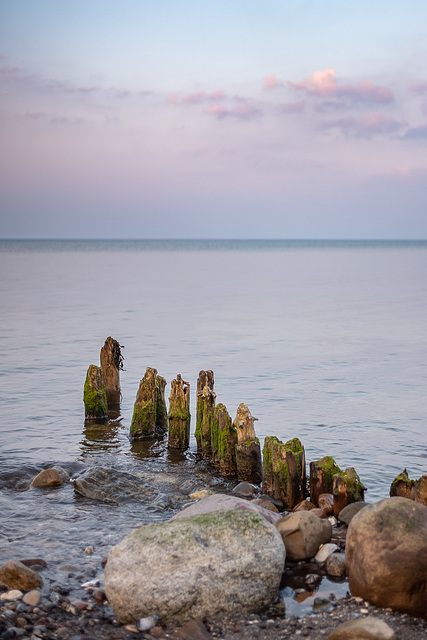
pixel 271 82
pixel 241 111
pixel 419 88
pixel 368 126
pixel 200 97
pixel 324 83
pixel 293 107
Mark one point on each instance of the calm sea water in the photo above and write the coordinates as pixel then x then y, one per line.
pixel 325 341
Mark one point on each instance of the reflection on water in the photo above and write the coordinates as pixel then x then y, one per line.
pixel 100 437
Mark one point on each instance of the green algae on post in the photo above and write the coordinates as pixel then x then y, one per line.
pixel 179 414
pixel 224 441
pixel 94 394
pixel 284 476
pixel 144 413
pixel 322 477
pixel 248 450
pixel 347 488
pixel 205 412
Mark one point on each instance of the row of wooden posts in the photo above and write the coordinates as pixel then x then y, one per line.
pixel 232 446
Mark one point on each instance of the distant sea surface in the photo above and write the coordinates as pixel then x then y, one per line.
pixel 323 340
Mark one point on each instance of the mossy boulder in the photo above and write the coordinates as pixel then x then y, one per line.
pixel 217 563
pixel 94 394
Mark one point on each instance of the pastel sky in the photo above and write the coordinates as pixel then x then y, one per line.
pixel 213 119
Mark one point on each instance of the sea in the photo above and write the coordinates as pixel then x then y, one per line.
pixel 322 340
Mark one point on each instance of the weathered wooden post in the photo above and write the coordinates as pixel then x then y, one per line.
pixel 403 486
pixel 248 450
pixel 111 363
pixel 322 477
pixel 347 488
pixel 224 441
pixel 284 476
pixel 205 412
pixel 94 395
pixel 179 414
pixel 145 409
pixel 161 410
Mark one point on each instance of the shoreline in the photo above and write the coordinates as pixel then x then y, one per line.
pixel 64 618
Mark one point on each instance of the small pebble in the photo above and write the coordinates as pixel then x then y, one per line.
pixel 145 624
pixel 89 550
pixel 364 611
pixel 12 595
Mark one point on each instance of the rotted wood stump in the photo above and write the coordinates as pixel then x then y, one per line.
pixel 322 477
pixel 161 410
pixel 148 408
pixel 205 412
pixel 248 450
pixel 347 488
pixel 224 441
pixel 94 395
pixel 404 487
pixel 111 363
pixel 179 414
pixel 284 475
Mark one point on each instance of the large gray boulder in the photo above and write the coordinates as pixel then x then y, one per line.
pixel 386 555
pixel 223 502
pixel 221 562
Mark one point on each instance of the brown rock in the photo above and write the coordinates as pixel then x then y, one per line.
pixel 326 502
pixel 17 576
pixel 46 479
pixel 32 598
pixel 193 630
pixel 335 565
pixel 386 555
pixel 304 505
pixel 367 628
pixel 266 504
pixel 303 533
pixel 347 514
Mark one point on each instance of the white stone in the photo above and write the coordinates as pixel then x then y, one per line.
pixel 325 551
pixel 12 595
pixel 366 628
pixel 32 598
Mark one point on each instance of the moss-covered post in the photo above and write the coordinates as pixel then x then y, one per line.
pixel 402 486
pixel 284 476
pixel 421 490
pixel 94 395
pixel 248 450
pixel 322 477
pixel 145 409
pixel 205 412
pixel 224 441
pixel 347 488
pixel 111 363
pixel 179 414
pixel 161 410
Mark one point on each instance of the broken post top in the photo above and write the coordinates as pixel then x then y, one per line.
pixel 205 379
pixel 244 423
pixel 111 352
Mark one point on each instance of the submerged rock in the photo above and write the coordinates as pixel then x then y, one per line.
pixel 386 552
pixel 53 477
pixel 109 485
pixel 221 562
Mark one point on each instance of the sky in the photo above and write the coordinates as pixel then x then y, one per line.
pixel 213 119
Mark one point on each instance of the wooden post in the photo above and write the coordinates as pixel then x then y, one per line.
pixel 111 363
pixel 205 412
pixel 179 414
pixel 224 441
pixel 322 477
pixel 248 451
pixel 402 486
pixel 161 410
pixel 145 408
pixel 284 476
pixel 347 488
pixel 94 395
